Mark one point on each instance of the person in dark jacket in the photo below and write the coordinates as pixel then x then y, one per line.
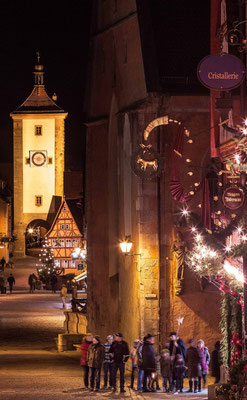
pixel 54 283
pixel 11 282
pixel 179 371
pixel 166 370
pixel 176 346
pixel 32 282
pixel 216 362
pixel 120 354
pixel 193 363
pixel 95 358
pixel 148 359
pixel 3 262
pixel 83 362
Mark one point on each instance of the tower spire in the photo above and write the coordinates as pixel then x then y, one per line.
pixel 38 72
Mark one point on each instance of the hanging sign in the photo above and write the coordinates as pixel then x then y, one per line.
pixel 146 162
pixel 221 71
pixel 233 197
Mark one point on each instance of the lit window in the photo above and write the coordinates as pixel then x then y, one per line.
pixel 71 264
pixel 38 201
pixel 75 242
pixel 38 130
pixel 61 242
pixel 68 243
pixel 65 263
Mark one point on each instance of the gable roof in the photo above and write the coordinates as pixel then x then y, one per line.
pixel 75 207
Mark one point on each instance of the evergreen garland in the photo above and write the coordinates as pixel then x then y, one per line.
pixel 231 322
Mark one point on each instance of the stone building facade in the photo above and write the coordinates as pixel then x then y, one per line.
pixel 136 293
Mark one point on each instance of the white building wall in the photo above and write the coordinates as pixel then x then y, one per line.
pixel 38 180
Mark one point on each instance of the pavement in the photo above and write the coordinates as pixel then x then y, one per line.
pixel 30 366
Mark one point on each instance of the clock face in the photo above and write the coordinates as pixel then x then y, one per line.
pixel 38 158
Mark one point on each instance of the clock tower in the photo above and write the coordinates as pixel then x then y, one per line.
pixel 39 138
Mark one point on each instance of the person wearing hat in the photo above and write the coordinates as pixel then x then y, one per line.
pixel 177 345
pixel 148 359
pixel 95 358
pixel 120 354
pixel 108 362
pixel 87 340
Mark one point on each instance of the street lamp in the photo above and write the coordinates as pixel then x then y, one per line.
pixel 126 246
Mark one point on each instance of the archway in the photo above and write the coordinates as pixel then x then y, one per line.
pixel 35 232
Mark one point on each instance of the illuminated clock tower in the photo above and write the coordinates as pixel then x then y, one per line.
pixel 39 138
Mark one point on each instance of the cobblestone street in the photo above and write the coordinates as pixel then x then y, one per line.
pixel 30 366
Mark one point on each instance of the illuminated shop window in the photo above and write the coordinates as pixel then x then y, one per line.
pixel 38 130
pixel 38 201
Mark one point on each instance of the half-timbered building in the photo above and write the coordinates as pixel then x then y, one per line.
pixel 66 235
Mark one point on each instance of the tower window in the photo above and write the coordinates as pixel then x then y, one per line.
pixel 38 130
pixel 38 201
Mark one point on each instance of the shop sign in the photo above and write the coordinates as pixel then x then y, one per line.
pixel 221 71
pixel 233 197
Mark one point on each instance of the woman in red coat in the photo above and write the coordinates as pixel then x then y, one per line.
pixel 87 340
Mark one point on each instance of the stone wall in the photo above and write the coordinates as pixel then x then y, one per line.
pixel 19 227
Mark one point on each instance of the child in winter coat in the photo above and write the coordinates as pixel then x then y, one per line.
pixel 179 371
pixel 204 363
pixel 166 370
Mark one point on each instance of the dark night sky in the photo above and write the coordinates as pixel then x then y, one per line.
pixel 60 31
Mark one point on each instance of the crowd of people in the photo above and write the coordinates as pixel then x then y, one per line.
pixel 175 361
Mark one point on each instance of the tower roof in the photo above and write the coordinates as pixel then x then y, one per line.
pixel 38 101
